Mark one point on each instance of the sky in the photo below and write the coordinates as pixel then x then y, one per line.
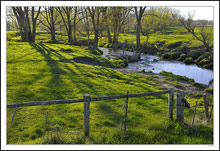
pixel 199 12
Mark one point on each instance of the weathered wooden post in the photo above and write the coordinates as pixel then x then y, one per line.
pixel 194 114
pixel 126 112
pixel 180 107
pixel 86 114
pixel 206 108
pixel 170 103
pixel 211 112
pixel 14 113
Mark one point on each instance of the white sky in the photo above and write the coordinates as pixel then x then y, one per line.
pixel 199 12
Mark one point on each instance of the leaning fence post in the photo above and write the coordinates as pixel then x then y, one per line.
pixel 14 113
pixel 86 114
pixel 170 103
pixel 180 107
pixel 126 112
pixel 206 108
pixel 211 112
pixel 194 114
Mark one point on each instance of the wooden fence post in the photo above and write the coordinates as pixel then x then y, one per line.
pixel 86 114
pixel 180 107
pixel 126 112
pixel 206 108
pixel 211 112
pixel 194 114
pixel 14 113
pixel 170 103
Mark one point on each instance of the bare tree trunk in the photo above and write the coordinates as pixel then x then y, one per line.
pixel 139 15
pixel 33 31
pixel 96 39
pixel 74 33
pixel 70 39
pixel 53 37
pixel 109 35
pixel 138 34
pixel 74 25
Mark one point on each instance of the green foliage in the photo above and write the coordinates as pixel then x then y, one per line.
pixel 194 53
pixel 9 37
pixel 176 84
pixel 202 86
pixel 143 70
pixel 182 57
pixel 188 60
pixel 204 55
pixel 174 45
pixel 166 56
pixel 209 90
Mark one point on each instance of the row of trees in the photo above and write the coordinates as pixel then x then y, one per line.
pixel 101 21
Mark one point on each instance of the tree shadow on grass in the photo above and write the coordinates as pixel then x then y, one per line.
pixel 57 70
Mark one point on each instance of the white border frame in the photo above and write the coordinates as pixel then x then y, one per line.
pixel 215 4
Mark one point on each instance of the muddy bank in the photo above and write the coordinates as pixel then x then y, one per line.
pixel 184 86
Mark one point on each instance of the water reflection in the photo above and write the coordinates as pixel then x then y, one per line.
pixel 147 62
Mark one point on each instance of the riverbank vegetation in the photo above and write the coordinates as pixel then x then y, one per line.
pixel 53 54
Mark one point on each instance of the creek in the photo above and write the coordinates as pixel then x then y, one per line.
pixel 148 63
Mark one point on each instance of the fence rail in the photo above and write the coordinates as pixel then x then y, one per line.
pixel 87 99
pixel 82 100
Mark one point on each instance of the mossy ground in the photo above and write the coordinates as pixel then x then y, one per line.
pixel 44 72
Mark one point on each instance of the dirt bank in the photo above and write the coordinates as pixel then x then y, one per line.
pixel 186 86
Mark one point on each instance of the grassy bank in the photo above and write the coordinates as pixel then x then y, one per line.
pixel 43 72
pixel 175 44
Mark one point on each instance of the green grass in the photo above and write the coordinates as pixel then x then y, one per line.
pixel 44 72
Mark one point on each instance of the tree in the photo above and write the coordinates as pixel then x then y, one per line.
pixel 23 20
pixel 50 15
pixel 66 13
pixel 139 12
pixel 77 17
pixel 120 15
pixel 204 34
pixel 11 20
pixel 98 16
pixel 85 19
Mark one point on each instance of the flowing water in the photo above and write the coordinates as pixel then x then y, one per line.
pixel 147 62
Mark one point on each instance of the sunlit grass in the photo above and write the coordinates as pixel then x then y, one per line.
pixel 39 72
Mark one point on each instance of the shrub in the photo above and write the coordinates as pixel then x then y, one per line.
pixel 199 85
pixel 204 61
pixel 188 60
pixel 209 90
pixel 143 70
pixel 9 37
pixel 209 66
pixel 149 49
pixel 204 55
pixel 176 84
pixel 194 53
pixel 160 43
pixel 166 56
pixel 174 45
pixel 182 57
pixel 174 55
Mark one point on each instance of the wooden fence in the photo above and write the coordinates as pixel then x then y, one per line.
pixel 87 99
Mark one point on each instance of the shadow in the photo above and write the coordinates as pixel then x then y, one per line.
pixel 59 67
pixel 55 70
